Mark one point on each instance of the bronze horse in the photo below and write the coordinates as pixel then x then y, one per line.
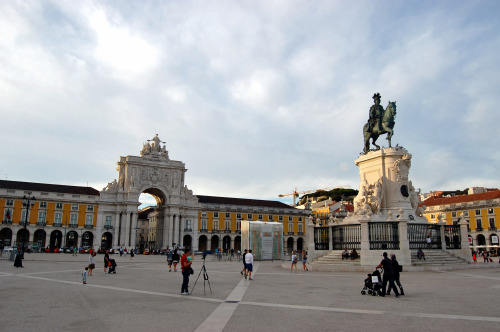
pixel 386 127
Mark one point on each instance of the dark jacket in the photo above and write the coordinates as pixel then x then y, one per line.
pixel 395 269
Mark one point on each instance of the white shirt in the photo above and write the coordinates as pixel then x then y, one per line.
pixel 294 258
pixel 249 258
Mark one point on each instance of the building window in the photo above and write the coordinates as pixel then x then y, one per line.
pixel 108 221
pixel 490 211
pixel 280 218
pixel 90 208
pixel 466 213
pixel 73 220
pixel 203 214
pixel 238 216
pixel 9 202
pixel 454 214
pixel 290 218
pixel 228 225
pixel 250 216
pixel 23 217
pixel 493 227
pixel 7 215
pixel 204 224
pixel 270 217
pixel 216 225
pixel 88 220
pixel 216 214
pixel 43 205
pixel 228 215
pixel 74 207
pixel 59 206
pixel 260 216
pixel 290 228
pixel 301 228
pixel 433 216
pixel 58 218
pixel 188 225
pixel 41 216
pixel 300 218
pixel 478 212
pixel 479 224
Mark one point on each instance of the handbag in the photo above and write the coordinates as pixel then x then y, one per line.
pixel 190 270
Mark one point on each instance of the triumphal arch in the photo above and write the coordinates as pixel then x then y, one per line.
pixel 153 173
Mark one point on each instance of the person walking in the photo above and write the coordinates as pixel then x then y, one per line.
pixel 244 271
pixel 396 269
pixel 388 276
pixel 295 259
pixel 91 263
pixel 175 260
pixel 429 241
pixel 84 275
pixel 169 259
pixel 106 260
pixel 304 260
pixel 186 271
pixel 249 266
pixel 132 254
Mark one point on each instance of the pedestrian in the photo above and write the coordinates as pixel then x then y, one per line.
pixel 244 271
pixel 121 251
pixel 186 271
pixel 474 257
pixel 420 254
pixel 388 276
pixel 169 259
pixel 304 260
pixel 84 275
pixel 396 269
pixel 249 262
pixel 75 250
pixel 106 260
pixel 175 260
pixel 429 241
pixel 91 263
pixel 295 259
pixel 132 253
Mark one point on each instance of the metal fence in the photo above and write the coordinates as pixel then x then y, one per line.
pixel 383 235
pixel 418 234
pixel 452 236
pixel 346 236
pixel 321 238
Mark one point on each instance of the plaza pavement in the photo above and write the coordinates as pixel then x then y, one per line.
pixel 48 295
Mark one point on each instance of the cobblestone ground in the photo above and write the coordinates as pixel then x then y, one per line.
pixel 48 295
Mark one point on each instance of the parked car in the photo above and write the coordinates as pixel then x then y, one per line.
pixel 84 249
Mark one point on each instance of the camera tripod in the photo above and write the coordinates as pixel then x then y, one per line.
pixel 205 278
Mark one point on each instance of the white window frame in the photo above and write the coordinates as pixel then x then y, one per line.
pixel 238 225
pixel 261 217
pixel 491 211
pixel 228 215
pixel 204 224
pixel 59 206
pixel 280 218
pixel 301 228
pixel 250 216
pixel 203 214
pixel 479 223
pixel 90 207
pixel 43 205
pixel 227 224
pixel 290 218
pixel 238 216
pixel 454 214
pixel 466 213
pixel 477 212
pixel 270 217
pixel 491 222
pixel 9 202
pixel 188 223
pixel 74 207
pixel 216 214
pixel 73 219
pixel 89 220
pixel 290 228
pixel 9 212
pixel 216 225
pixel 109 220
pixel 42 215
pixel 58 218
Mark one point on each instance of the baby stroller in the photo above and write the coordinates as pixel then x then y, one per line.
pixel 373 284
pixel 112 266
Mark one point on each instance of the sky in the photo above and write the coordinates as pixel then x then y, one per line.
pixel 257 98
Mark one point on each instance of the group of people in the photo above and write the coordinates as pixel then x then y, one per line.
pixel 295 260
pixel 352 255
pixel 391 275
pixel 247 264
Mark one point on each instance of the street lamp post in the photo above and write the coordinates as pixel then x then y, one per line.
pixel 27 202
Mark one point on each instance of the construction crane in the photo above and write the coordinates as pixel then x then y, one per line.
pixel 296 193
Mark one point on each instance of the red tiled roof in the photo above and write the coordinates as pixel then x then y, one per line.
pixel 242 201
pixel 52 188
pixel 431 201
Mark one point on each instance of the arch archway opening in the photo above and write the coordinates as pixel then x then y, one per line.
pixel 6 236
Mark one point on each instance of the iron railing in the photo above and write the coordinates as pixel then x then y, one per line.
pixel 321 240
pixel 346 236
pixel 452 236
pixel 418 233
pixel 383 235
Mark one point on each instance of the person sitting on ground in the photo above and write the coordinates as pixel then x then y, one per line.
pixel 354 254
pixel 345 254
pixel 420 254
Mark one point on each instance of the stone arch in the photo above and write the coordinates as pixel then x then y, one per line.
pixel 23 235
pixel 87 239
pixel 289 244
pixel 202 243
pixel 187 241
pixel 55 240
pixel 39 238
pixel 300 244
pixel 72 239
pixel 226 243
pixel 214 243
pixel 237 243
pixel 481 240
pixel 106 241
pixel 6 236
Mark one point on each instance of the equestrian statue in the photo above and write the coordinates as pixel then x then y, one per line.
pixel 380 122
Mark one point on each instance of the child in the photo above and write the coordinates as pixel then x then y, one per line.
pixel 84 275
pixel 294 261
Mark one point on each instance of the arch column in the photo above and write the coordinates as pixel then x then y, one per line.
pixel 116 233
pixel 128 222
pixel 133 242
pixel 195 242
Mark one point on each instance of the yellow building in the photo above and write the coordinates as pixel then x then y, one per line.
pixel 61 216
pixel 219 222
pixel 480 210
